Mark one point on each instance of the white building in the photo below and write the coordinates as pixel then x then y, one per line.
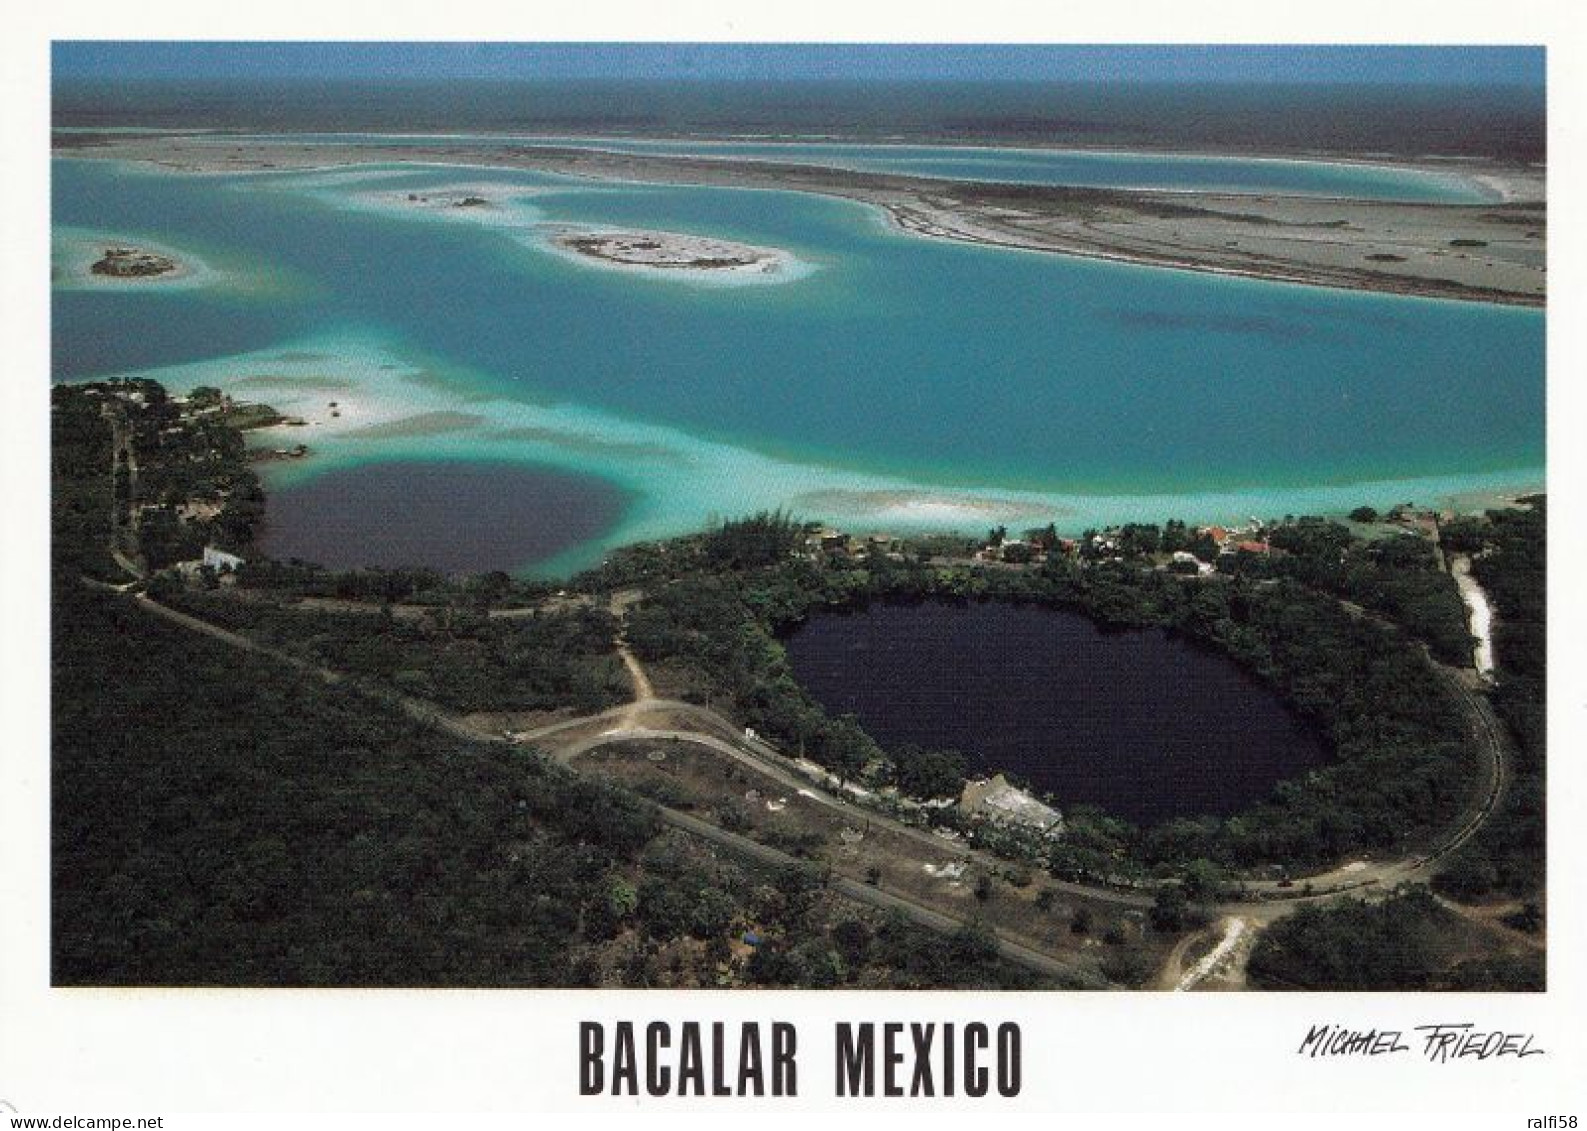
pixel 220 561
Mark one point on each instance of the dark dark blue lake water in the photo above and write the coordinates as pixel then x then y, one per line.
pixel 1147 725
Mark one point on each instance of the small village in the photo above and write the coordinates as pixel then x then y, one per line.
pixel 1175 547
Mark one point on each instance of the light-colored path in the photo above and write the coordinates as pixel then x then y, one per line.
pixel 1490 917
pixel 1481 612
pixel 1234 929
pixel 644 693
pixel 1261 899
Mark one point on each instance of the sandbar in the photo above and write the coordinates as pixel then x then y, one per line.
pixel 437 423
pixel 672 251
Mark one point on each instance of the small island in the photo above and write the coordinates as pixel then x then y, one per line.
pixel 134 263
pixel 446 199
pixel 674 251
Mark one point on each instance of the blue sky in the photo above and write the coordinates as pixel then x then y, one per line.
pixel 1369 64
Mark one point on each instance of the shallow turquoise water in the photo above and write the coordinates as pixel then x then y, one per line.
pixel 901 381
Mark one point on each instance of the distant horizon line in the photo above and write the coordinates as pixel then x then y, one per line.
pixel 788 80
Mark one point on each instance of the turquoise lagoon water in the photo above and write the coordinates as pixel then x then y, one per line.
pixel 1014 165
pixel 891 382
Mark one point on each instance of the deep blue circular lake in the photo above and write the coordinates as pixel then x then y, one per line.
pixel 1145 724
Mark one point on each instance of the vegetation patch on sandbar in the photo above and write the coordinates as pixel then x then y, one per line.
pixel 673 251
pixel 134 263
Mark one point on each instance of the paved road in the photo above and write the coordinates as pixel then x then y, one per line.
pixel 716 732
pixel 766 760
pixel 1484 730
pixel 415 708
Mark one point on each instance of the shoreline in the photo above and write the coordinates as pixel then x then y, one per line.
pixel 1505 180
pixel 360 403
pixel 1493 253
pixel 900 218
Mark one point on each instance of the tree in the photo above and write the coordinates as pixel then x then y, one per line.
pixel 1138 539
pixel 1203 881
pixel 1168 909
pixel 853 941
pixel 929 773
pixel 1399 944
pixel 763 539
pixel 1529 919
pixel 1043 537
pixel 798 886
pixel 973 945
pixel 1176 536
pixel 1126 967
